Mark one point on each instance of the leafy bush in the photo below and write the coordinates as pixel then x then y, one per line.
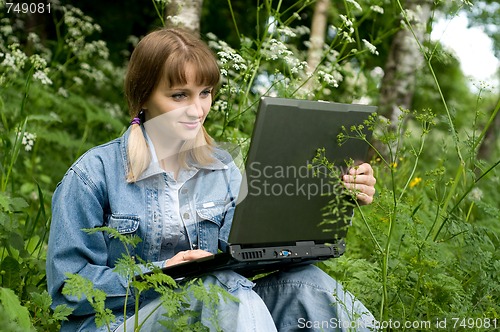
pixel 427 249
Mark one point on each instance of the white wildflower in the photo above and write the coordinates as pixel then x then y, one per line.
pixel 328 78
pixel 346 20
pixel 377 9
pixel 220 105
pixel 6 30
pixel 133 40
pixel 347 37
pixel 476 194
pixel 287 31
pixel 85 66
pixel 223 56
pixel 302 30
pixel 211 36
pixel 28 140
pixel 42 77
pixel 9 61
pixel 38 62
pixel 102 49
pixel 33 37
pixel 94 74
pixel 77 80
pixel 356 5
pixel 176 20
pixel 63 92
pixel 277 49
pixel 370 47
pixel 16 59
pixel 412 15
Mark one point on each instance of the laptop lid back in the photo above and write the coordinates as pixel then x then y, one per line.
pixel 282 200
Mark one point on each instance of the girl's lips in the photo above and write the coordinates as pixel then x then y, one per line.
pixel 191 125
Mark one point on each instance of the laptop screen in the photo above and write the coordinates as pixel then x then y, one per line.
pixel 287 196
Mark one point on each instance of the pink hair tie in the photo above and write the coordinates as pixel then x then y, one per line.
pixel 136 121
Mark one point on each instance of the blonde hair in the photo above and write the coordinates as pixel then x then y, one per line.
pixel 163 55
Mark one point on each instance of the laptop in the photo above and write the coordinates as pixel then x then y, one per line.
pixel 291 209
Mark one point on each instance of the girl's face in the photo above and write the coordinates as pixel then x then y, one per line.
pixel 179 110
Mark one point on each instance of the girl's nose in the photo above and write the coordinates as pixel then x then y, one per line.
pixel 196 110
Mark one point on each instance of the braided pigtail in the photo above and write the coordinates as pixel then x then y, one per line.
pixel 138 151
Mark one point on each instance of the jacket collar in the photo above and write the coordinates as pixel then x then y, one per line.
pixel 221 158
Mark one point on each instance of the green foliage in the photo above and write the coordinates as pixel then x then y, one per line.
pixel 78 286
pixel 45 123
pixel 430 241
pixel 427 248
pixel 336 213
pixel 274 63
pixel 43 317
pixel 174 296
pixel 12 310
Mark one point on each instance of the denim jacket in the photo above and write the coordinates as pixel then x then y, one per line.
pixel 94 193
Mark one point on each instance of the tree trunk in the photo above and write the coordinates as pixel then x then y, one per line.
pixel 318 31
pixel 405 58
pixel 184 14
pixel 317 38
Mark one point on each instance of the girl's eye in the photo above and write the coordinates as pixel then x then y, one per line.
pixel 178 96
pixel 206 93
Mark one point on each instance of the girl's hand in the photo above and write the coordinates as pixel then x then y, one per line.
pixel 361 179
pixel 186 256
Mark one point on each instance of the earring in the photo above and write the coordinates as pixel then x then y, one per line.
pixel 142 115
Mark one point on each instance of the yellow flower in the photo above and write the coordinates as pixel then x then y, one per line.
pixel 415 181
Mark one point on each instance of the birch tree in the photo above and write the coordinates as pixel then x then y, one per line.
pixel 404 59
pixel 317 37
pixel 184 14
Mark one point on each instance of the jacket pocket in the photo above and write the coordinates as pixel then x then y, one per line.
pixel 212 211
pixel 210 220
pixel 126 225
pixel 123 223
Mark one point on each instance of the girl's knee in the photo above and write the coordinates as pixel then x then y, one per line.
pixel 228 280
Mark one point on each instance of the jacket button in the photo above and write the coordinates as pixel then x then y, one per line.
pixel 185 215
pixel 194 246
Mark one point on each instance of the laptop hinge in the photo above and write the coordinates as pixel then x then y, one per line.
pixel 305 243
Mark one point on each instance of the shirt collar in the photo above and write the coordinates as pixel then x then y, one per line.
pixel 154 168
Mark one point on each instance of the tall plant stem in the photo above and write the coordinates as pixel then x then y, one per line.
pixel 488 124
pixel 429 65
pixel 160 12
pixel 234 19
pixel 467 191
pixel 14 154
pixel 457 177
pixel 385 267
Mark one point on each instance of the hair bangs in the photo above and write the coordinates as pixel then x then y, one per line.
pixel 204 66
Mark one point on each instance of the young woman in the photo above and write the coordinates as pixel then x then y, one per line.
pixel 152 182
